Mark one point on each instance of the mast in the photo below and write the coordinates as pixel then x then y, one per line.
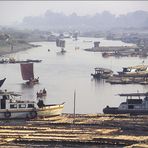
pixel 74 109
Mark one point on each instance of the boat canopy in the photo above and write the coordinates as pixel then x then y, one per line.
pixel 103 69
pixel 27 71
pixel 4 93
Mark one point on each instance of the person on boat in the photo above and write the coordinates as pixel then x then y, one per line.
pixel 44 91
pixel 39 94
pixel 36 79
pixel 40 103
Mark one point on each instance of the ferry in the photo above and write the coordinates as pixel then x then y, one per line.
pixel 133 105
pixel 13 107
pixel 134 71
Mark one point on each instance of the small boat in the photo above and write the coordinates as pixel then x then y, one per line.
pixel 13 107
pixel 102 73
pixel 133 106
pixel 2 81
pixel 41 93
pixel 28 73
pixel 134 71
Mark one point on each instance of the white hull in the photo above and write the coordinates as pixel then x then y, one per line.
pixel 15 114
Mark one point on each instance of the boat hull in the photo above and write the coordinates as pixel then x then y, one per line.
pixel 17 114
pixel 115 110
pixel 46 111
pixel 50 110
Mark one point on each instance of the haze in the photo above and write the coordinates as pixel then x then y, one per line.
pixel 14 11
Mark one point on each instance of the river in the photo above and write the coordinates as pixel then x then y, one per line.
pixel 61 74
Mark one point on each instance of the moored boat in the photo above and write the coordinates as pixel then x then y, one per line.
pixel 13 107
pixel 133 106
pixel 134 71
pixel 103 73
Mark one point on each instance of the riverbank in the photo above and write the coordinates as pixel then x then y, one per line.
pixel 16 48
pixel 83 130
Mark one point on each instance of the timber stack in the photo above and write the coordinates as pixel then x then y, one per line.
pixel 87 129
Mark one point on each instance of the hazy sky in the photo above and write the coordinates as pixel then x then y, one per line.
pixel 15 11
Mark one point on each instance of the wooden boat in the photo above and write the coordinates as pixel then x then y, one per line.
pixel 12 106
pixel 119 80
pixel 134 106
pixel 102 73
pixel 41 93
pixel 2 81
pixel 28 73
pixel 134 71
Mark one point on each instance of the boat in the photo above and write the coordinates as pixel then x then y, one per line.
pixel 119 80
pixel 133 105
pixel 134 71
pixel 61 43
pixel 103 73
pixel 28 73
pixel 41 93
pixel 2 81
pixel 12 106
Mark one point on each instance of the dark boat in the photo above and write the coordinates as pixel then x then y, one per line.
pixel 133 106
pixel 2 81
pixel 103 73
pixel 28 73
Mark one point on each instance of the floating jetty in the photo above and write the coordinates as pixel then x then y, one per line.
pixel 83 130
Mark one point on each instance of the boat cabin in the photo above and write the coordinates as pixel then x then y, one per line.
pixel 11 100
pixel 136 102
pixel 102 73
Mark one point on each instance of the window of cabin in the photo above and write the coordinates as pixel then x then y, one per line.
pixel 13 105
pixel 30 105
pixel 131 107
pixel 22 105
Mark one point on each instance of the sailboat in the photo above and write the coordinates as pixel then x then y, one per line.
pixel 61 43
pixel 28 73
pixel 2 81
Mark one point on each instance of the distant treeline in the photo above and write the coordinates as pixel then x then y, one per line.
pixel 99 21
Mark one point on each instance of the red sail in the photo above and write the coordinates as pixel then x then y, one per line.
pixel 27 71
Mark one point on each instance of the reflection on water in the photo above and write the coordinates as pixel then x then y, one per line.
pixel 61 74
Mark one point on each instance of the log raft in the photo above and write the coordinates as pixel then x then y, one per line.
pixel 96 129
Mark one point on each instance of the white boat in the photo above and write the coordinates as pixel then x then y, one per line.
pixel 132 105
pixel 13 107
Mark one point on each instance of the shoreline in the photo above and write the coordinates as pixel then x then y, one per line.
pixel 17 48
